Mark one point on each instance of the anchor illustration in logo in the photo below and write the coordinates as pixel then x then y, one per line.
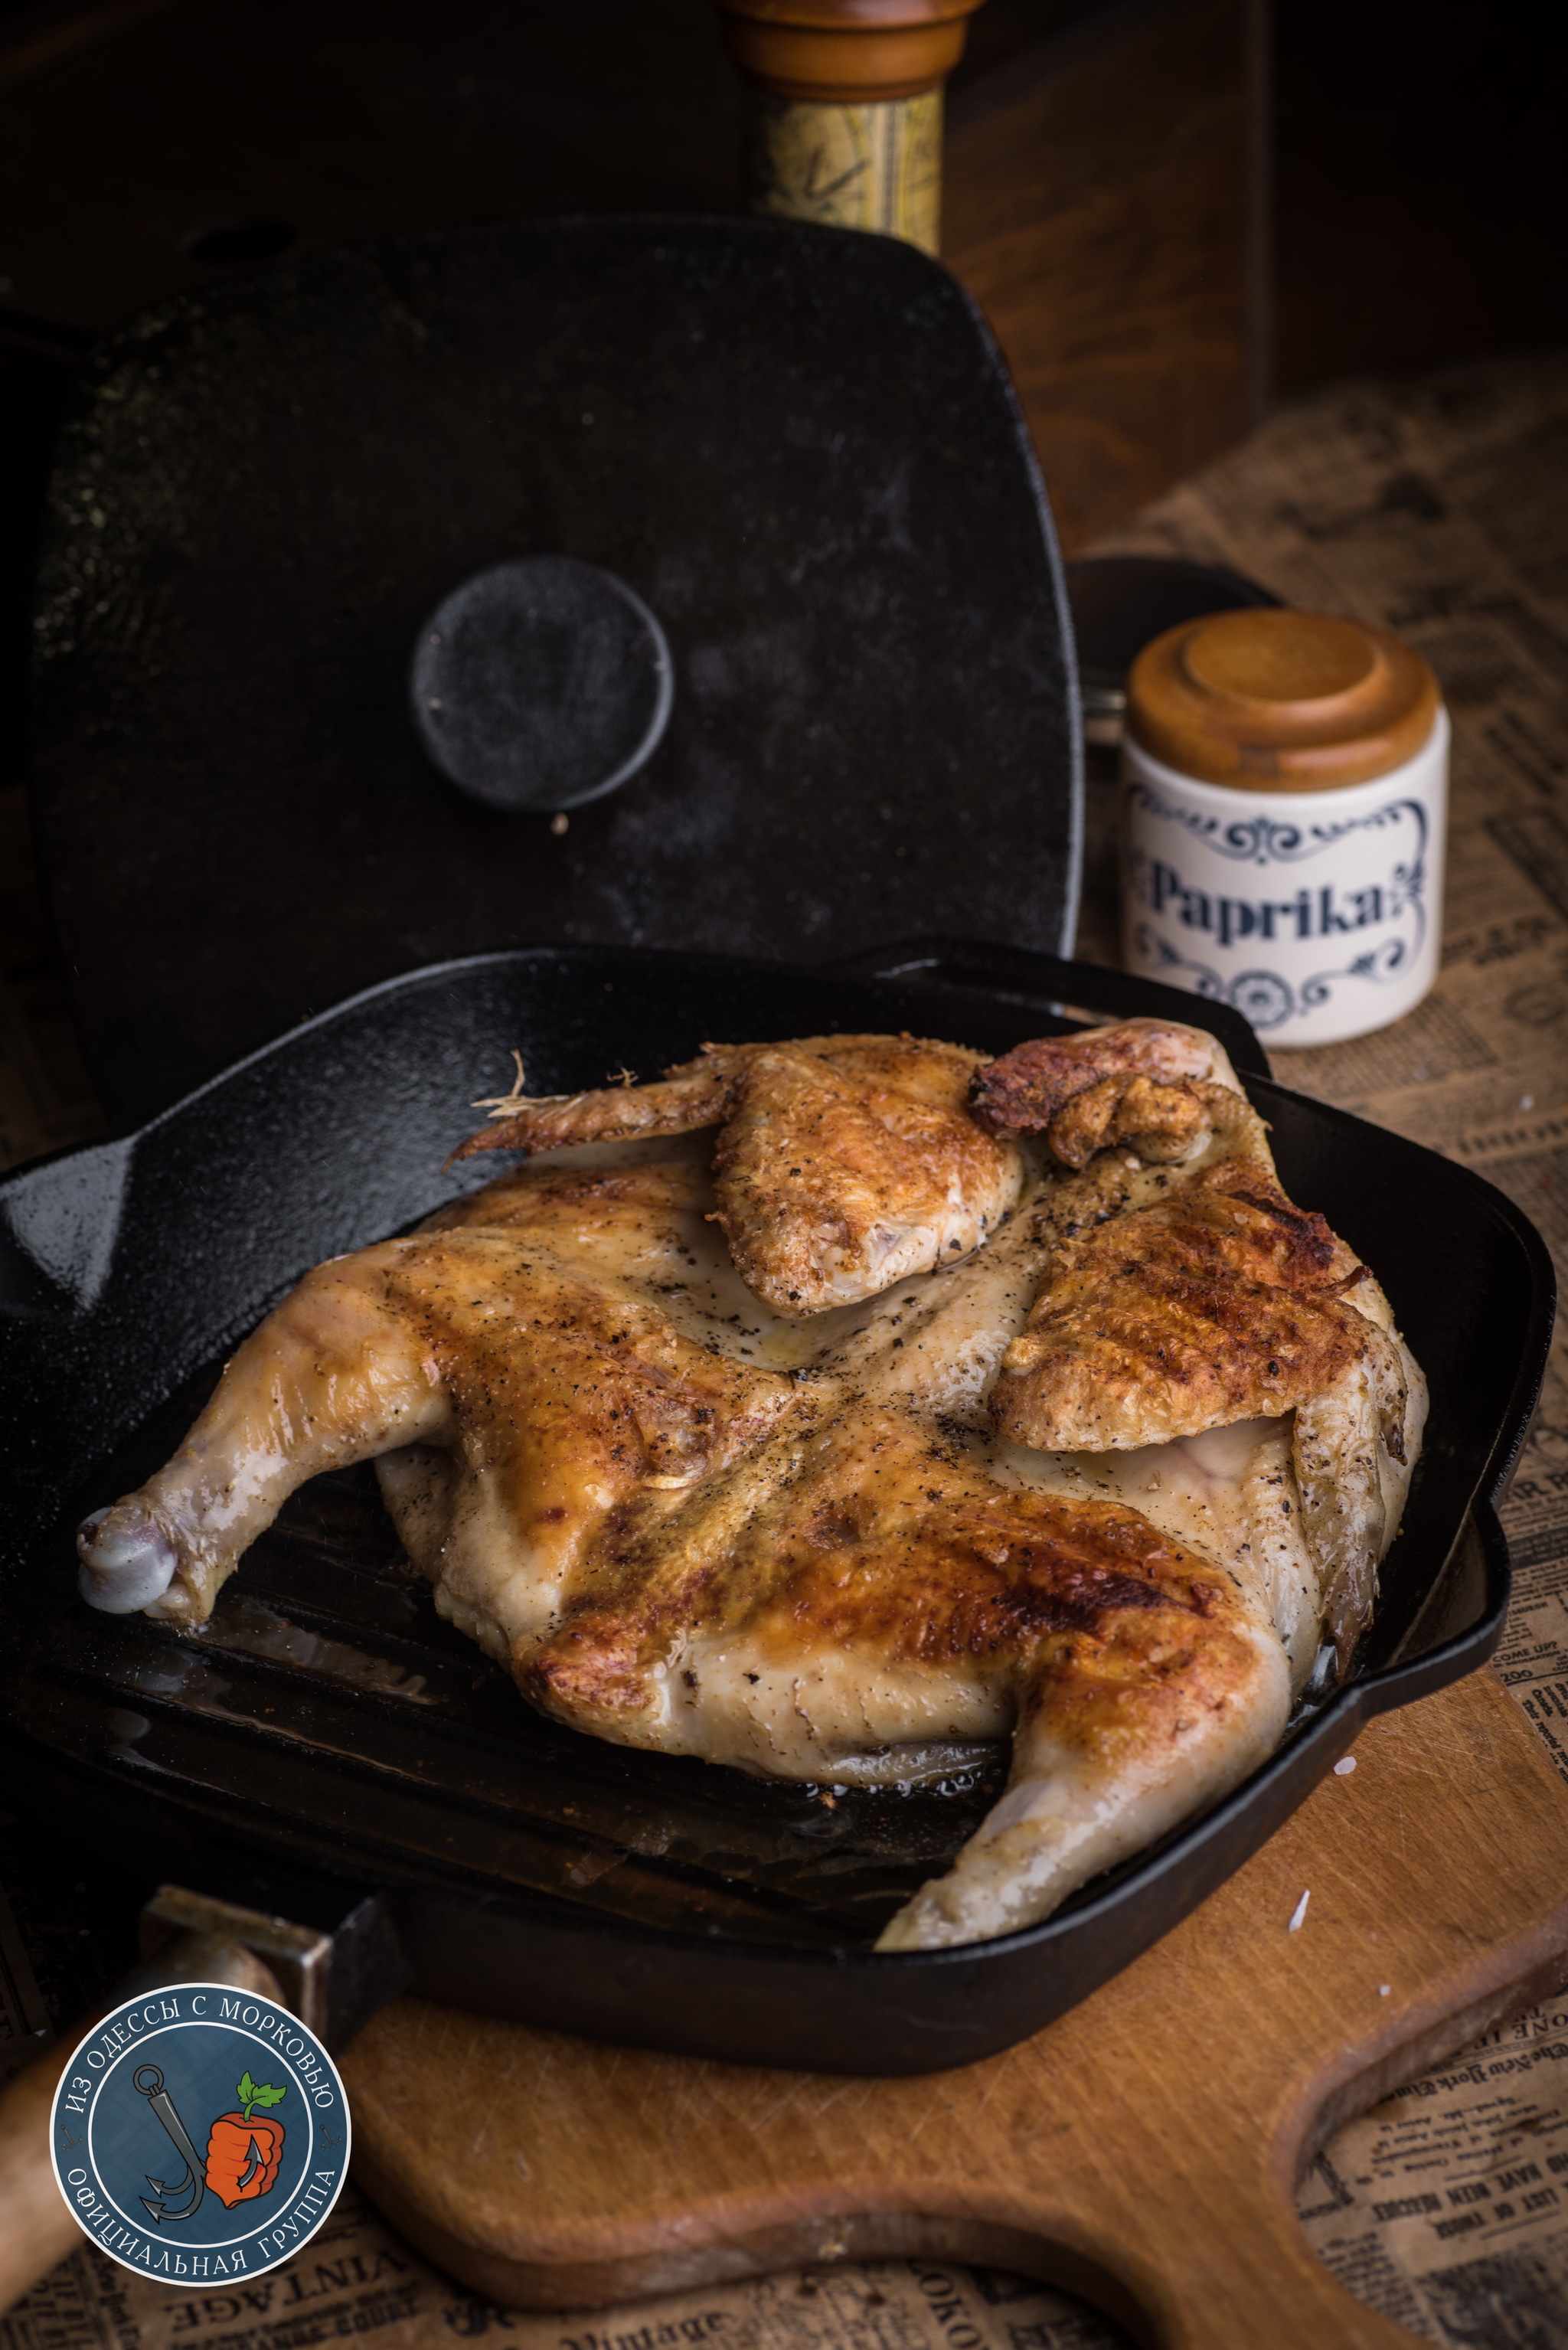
pixel 243 2153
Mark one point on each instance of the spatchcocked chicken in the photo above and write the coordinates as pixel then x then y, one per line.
pixel 941 1402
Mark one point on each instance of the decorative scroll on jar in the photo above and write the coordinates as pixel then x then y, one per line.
pixel 1285 816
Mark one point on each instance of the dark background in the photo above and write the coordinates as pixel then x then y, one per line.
pixel 1415 160
pixel 1173 211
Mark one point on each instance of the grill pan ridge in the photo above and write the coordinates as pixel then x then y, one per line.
pixel 330 1723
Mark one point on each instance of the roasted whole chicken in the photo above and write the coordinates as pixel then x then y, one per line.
pixel 833 1409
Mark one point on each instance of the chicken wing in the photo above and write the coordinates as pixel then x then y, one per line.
pixel 843 1163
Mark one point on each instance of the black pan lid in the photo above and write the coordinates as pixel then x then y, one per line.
pixel 796 446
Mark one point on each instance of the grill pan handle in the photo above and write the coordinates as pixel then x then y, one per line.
pixel 36 2227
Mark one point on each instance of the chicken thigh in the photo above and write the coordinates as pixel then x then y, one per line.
pixel 849 1545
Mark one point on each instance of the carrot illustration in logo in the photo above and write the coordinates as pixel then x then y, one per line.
pixel 243 2153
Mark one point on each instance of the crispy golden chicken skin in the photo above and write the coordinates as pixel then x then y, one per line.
pixel 1218 1304
pixel 843 1163
pixel 1222 1303
pixel 862 1589
pixel 1092 1488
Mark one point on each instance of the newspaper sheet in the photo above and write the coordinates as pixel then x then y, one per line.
pixel 357 2278
pixel 1440 508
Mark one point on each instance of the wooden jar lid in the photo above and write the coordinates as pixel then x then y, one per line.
pixel 847 51
pixel 1280 700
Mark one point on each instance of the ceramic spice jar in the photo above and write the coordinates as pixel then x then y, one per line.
pixel 1284 807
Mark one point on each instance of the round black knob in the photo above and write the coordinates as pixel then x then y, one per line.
pixel 541 683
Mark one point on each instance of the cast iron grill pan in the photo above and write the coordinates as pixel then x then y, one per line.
pixel 330 1720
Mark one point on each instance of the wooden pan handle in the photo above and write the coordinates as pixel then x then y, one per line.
pixel 36 2227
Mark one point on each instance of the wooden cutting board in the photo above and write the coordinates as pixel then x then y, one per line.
pixel 1142 2151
